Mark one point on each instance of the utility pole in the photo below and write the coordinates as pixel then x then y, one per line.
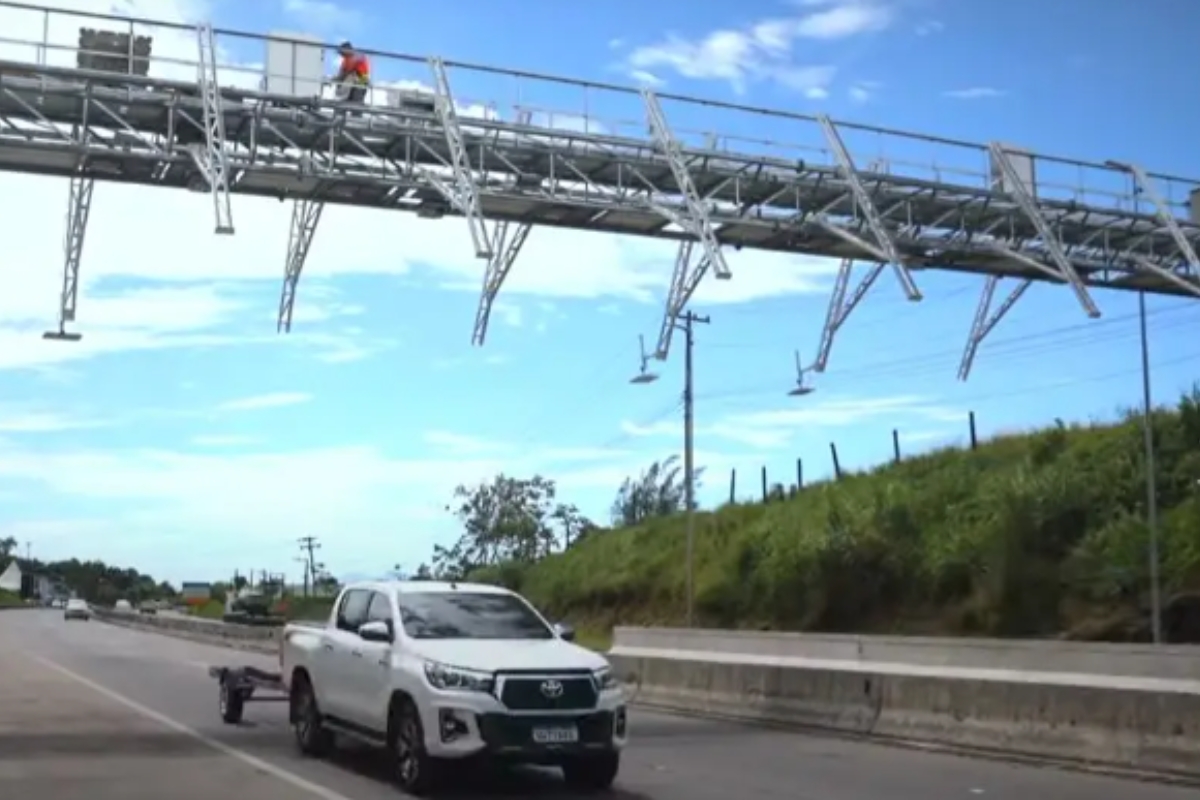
pixel 686 323
pixel 304 569
pixel 1151 479
pixel 310 545
pixel 689 466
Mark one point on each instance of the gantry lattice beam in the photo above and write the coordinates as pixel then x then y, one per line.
pixel 212 160
pixel 306 216
pixel 884 248
pixel 462 193
pixel 693 219
pixel 506 172
pixel 505 249
pixel 79 209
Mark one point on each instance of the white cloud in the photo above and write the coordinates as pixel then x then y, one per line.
pixel 264 401
pixel 766 49
pixel 647 78
pixel 323 15
pixel 929 27
pixel 18 420
pixel 975 93
pixel 863 91
pixel 222 440
pixel 354 497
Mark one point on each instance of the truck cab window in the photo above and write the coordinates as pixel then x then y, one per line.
pixel 380 609
pixel 469 615
pixel 352 613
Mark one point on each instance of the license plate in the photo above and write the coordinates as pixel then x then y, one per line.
pixel 563 735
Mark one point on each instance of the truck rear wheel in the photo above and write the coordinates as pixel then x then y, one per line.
pixel 312 737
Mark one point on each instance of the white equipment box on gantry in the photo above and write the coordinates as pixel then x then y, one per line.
pixel 294 67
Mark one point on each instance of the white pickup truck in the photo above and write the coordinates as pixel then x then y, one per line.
pixel 437 672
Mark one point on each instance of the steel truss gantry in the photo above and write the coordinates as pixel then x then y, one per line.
pixel 504 174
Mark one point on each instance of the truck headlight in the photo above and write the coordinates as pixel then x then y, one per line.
pixel 605 679
pixel 456 679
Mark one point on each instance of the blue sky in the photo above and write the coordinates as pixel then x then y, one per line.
pixel 184 437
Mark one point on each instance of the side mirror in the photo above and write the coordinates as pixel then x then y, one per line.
pixel 564 631
pixel 375 632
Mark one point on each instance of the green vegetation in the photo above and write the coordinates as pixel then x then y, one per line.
pixel 1031 534
pixel 8 599
pixel 94 581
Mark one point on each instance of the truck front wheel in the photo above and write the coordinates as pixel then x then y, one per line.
pixel 415 771
pixel 312 737
pixel 593 773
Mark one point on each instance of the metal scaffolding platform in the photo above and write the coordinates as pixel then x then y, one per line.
pixel 186 122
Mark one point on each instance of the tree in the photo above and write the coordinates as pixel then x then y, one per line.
pixel 7 545
pixel 658 492
pixel 504 520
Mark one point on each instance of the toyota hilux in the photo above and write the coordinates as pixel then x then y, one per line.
pixel 441 672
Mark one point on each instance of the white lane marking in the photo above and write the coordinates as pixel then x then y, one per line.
pixel 167 722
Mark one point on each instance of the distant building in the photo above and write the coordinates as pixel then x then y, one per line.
pixel 194 594
pixel 10 579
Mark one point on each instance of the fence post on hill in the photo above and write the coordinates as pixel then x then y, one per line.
pixel 764 483
pixel 733 485
pixel 971 427
pixel 799 475
pixel 837 465
pixel 896 445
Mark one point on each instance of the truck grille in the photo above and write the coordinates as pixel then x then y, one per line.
pixel 578 693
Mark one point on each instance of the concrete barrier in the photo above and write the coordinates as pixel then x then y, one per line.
pixel 197 629
pixel 1146 726
pixel 1180 662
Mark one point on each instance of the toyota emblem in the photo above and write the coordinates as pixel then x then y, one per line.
pixel 552 689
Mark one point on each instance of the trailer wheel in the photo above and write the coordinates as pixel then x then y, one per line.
pixel 231 703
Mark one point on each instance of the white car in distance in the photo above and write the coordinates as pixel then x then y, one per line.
pixel 77 609
pixel 441 672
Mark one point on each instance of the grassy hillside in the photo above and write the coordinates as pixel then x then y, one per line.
pixel 9 599
pixel 1031 534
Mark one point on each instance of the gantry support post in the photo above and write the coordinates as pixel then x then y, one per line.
pixel 1014 186
pixel 840 306
pixel 1144 185
pixel 695 221
pixel 214 163
pixel 504 254
pixel 499 264
pixel 463 195
pixel 684 279
pixel 306 216
pixel 79 208
pixel 866 206
pixel 986 319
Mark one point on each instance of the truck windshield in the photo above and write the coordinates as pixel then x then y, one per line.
pixel 463 615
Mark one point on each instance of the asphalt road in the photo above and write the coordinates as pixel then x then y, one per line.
pixel 97 712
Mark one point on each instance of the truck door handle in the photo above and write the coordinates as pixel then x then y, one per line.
pixel 328 648
pixel 356 653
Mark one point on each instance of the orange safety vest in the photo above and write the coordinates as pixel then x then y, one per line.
pixel 357 66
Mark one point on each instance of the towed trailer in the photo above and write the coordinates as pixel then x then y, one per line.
pixel 240 685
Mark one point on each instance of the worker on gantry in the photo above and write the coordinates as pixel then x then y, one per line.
pixel 354 74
